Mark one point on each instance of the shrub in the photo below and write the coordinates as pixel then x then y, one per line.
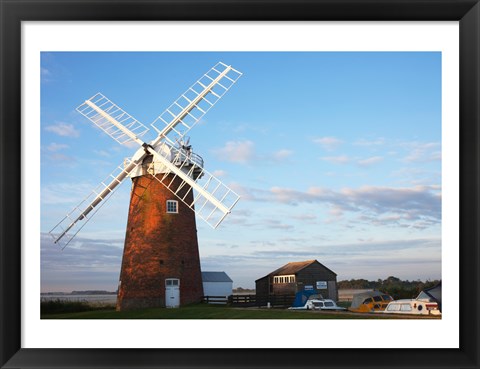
pixel 63 306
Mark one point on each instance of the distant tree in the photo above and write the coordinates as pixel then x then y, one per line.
pixel 392 280
pixel 394 286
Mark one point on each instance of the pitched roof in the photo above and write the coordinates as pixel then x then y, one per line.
pixel 215 277
pixel 294 267
pixel 435 292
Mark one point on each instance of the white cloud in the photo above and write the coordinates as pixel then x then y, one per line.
pixel 417 176
pixel 416 207
pixel 370 161
pixel 92 264
pixel 372 142
pixel 424 152
pixel 63 129
pixel 53 147
pixel 245 152
pixel 249 193
pixel 237 152
pixel 305 217
pixel 282 154
pixel 286 195
pixel 45 75
pixel 219 173
pixel 335 211
pixel 62 159
pixel 102 153
pixel 385 199
pixel 65 193
pixel 328 143
pixel 341 159
pixel 344 159
pixel 276 224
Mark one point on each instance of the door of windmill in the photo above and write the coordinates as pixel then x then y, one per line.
pixel 172 292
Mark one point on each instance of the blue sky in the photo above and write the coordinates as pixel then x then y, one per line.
pixel 336 156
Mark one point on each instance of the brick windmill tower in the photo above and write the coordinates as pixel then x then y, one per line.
pixel 161 231
pixel 170 187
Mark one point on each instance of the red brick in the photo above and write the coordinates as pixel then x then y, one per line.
pixel 158 245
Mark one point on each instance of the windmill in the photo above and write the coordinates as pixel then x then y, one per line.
pixel 160 264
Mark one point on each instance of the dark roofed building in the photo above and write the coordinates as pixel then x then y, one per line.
pixel 433 294
pixel 298 276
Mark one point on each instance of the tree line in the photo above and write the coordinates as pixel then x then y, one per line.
pixel 393 286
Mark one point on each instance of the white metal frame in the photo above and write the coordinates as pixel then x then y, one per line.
pixel 213 200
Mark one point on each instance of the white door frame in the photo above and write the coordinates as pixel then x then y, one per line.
pixel 172 292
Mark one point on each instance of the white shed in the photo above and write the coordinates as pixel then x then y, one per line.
pixel 216 284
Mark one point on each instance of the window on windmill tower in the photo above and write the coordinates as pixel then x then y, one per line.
pixel 172 206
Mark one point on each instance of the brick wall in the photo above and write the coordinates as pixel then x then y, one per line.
pixel 158 245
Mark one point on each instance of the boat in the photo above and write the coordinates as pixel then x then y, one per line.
pixel 370 302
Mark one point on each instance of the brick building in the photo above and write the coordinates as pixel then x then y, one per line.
pixel 298 276
pixel 161 248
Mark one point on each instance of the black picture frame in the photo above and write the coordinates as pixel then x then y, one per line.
pixel 13 12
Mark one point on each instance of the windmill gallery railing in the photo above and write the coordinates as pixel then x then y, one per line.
pixel 182 155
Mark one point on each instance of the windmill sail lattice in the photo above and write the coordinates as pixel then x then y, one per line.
pixel 185 112
pixel 213 200
pixel 100 120
pixel 76 219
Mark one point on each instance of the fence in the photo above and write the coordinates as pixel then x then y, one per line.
pixel 251 300
pixel 221 300
pixel 254 300
pixel 242 300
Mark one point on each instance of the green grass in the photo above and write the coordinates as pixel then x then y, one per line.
pixel 204 311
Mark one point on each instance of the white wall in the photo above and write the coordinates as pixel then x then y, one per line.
pixel 217 288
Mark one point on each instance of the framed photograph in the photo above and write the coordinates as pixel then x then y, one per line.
pixel 350 132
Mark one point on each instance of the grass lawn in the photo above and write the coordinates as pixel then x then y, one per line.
pixel 204 311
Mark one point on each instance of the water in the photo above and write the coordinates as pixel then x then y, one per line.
pixel 94 299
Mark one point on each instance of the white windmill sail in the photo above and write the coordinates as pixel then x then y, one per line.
pixel 106 108
pixel 198 99
pixel 75 220
pixel 213 201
